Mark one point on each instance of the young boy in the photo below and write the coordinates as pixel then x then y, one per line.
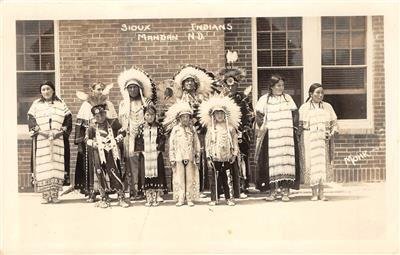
pixel 184 154
pixel 102 137
pixel 150 142
pixel 221 116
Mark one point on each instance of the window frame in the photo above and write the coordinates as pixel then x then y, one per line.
pixel 255 51
pixel 22 129
pixel 312 70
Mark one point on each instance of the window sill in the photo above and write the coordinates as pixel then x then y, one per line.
pixel 355 127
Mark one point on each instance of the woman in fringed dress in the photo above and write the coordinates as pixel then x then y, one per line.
pixel 50 124
pixel 277 147
pixel 318 121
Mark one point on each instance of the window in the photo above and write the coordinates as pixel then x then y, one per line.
pixel 344 69
pixel 35 61
pixel 279 51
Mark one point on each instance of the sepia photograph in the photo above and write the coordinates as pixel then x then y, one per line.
pixel 233 127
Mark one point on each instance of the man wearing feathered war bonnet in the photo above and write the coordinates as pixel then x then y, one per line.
pixel 230 78
pixel 221 116
pixel 138 90
pixel 193 84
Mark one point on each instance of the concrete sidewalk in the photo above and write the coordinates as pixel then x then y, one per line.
pixel 353 214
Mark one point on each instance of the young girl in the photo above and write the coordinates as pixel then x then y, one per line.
pixel 150 142
pixel 221 117
pixel 318 122
pixel 184 154
pixel 103 136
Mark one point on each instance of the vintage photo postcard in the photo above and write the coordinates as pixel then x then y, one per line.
pixel 199 127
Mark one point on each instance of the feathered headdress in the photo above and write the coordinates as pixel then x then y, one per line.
pixel 173 112
pixel 203 79
pixel 219 103
pixel 147 88
pixel 231 75
pixel 96 100
pixel 139 77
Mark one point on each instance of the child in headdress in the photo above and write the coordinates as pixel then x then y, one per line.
pixel 150 142
pixel 184 153
pixel 221 116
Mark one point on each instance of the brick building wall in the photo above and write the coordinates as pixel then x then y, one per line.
pixel 368 151
pixel 98 50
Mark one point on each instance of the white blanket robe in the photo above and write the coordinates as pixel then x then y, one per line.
pixel 49 158
pixel 317 120
pixel 279 122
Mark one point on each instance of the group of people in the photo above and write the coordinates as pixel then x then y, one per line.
pixel 208 130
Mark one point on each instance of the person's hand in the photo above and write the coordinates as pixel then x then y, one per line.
pixel 51 136
pixel 327 135
pixel 92 144
pixel 118 138
pixel 259 118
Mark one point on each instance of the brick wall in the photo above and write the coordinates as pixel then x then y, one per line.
pixel 368 151
pixel 24 160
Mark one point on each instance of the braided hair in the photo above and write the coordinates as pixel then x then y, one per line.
pixel 312 88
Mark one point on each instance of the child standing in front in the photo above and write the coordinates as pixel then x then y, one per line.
pixel 150 143
pixel 103 137
pixel 221 117
pixel 184 153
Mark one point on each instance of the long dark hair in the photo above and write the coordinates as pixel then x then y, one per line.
pixel 275 78
pixel 51 85
pixel 312 88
